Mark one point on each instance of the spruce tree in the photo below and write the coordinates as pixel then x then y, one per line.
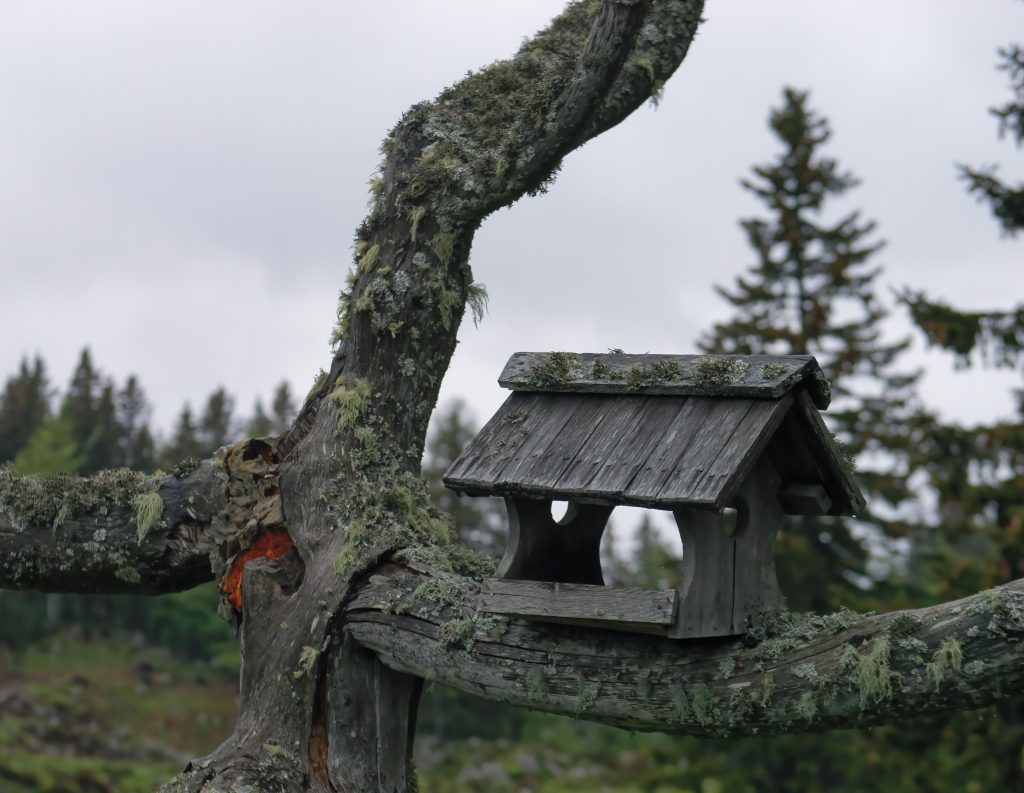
pixel 137 446
pixel 24 407
pixel 282 407
pixel 260 425
pixel 812 290
pixel 215 425
pixel 184 441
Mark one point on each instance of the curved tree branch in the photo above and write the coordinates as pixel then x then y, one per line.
pixel 792 673
pixel 114 532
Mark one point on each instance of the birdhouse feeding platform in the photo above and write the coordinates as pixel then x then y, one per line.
pixel 728 444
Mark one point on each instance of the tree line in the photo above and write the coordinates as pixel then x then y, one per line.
pixel 946 510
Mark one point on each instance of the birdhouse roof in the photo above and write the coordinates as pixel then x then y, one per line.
pixel 662 431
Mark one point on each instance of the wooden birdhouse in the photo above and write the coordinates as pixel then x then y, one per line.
pixel 728 444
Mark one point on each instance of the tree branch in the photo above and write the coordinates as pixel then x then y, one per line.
pixel 114 532
pixel 792 673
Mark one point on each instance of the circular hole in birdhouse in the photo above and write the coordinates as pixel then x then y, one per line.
pixel 559 509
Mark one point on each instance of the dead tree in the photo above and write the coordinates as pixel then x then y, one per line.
pixel 345 583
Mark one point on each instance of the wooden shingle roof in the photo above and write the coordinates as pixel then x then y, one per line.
pixel 655 430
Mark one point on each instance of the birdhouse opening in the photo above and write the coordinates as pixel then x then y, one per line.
pixel 559 510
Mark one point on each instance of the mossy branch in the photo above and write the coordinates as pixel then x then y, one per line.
pixel 791 673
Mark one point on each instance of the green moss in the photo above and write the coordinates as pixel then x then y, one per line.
pixel 449 302
pixel 350 403
pixel 369 260
pixel 477 298
pixel 443 246
pixel 807 706
pixel 725 668
pixel 869 671
pixel 416 214
pixel 781 631
pixel 681 702
pixel 307 660
pixel 128 573
pixel 148 509
pixel 536 680
pixel 904 625
pixel 714 370
pixel 457 633
pixel 649 374
pixel 586 694
pixel 947 660
pixel 37 501
pixel 806 671
pixel 771 371
pixel 62 515
pixel 764 698
pixel 702 702
pixel 556 369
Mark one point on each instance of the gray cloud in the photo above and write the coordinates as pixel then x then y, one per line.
pixel 179 181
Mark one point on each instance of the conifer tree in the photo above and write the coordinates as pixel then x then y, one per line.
pixel 260 425
pixel 24 407
pixel 184 440
pixel 479 521
pixel 133 412
pixel 812 290
pixel 282 407
pixel 215 426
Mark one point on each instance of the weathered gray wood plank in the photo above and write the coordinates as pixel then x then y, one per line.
pixel 662 416
pixel 752 376
pixel 755 585
pixel 719 482
pixel 619 608
pixel 833 463
pixel 692 446
pixel 546 467
pixel 530 455
pixel 706 585
pixel 517 420
pixel 611 447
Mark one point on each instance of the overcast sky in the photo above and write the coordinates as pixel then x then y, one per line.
pixel 180 179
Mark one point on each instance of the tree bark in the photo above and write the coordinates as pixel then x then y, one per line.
pixel 294 527
pixel 793 673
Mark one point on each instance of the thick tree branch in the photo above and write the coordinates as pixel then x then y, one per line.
pixel 114 532
pixel 793 673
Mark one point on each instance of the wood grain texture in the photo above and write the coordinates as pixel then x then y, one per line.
pixel 730 675
pixel 629 609
pixel 660 451
pixel 752 376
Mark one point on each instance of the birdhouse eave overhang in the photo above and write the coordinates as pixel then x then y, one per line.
pixel 658 431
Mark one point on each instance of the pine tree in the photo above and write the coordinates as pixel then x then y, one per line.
pixel 260 425
pixel 283 408
pixel 24 407
pixel 137 446
pixel 81 398
pixel 812 290
pixel 479 521
pixel 184 442
pixel 52 449
pixel 215 428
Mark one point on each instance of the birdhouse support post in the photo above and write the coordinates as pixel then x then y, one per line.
pixel 728 578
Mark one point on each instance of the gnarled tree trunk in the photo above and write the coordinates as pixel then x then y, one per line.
pixel 345 583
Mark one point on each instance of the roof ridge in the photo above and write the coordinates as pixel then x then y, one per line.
pixel 616 372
